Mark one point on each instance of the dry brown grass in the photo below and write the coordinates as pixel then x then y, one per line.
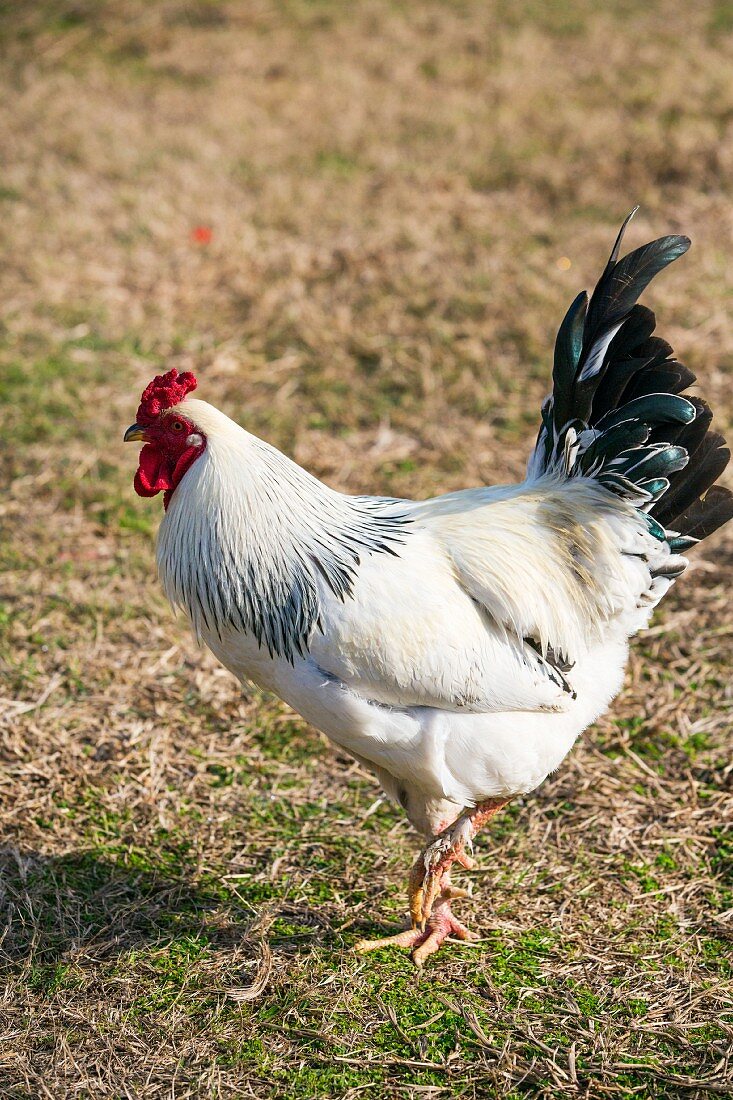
pixel 391 188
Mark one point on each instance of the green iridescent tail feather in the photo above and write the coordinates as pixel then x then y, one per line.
pixel 617 412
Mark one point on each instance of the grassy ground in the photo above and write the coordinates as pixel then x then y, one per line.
pixel 402 198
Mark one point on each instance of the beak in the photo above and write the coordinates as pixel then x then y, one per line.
pixel 135 434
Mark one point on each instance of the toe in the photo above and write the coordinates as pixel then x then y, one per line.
pixel 431 890
pixel 429 945
pixel 462 933
pixel 453 893
pixel 417 907
pixel 416 895
pixel 467 862
pixel 408 938
pixel 441 925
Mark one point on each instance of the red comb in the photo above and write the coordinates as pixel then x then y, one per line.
pixel 165 391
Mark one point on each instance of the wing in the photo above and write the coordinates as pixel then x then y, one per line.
pixel 557 563
pixel 493 594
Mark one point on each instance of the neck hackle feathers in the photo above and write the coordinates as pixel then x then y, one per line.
pixel 165 391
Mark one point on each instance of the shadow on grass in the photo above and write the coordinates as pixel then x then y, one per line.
pixel 82 908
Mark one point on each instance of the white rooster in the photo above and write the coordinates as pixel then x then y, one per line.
pixel 458 646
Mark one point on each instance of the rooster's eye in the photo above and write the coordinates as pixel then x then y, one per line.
pixel 177 426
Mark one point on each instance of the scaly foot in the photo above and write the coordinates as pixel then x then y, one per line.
pixel 424 942
pixel 430 874
pixel 430 891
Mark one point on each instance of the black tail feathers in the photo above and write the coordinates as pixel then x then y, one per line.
pixel 617 412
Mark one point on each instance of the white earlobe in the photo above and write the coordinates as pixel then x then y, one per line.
pixel 194 440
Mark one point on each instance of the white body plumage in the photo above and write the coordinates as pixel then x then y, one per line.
pixel 457 646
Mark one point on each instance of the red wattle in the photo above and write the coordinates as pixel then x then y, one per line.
pixel 153 475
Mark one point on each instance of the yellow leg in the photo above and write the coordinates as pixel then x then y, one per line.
pixel 430 891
